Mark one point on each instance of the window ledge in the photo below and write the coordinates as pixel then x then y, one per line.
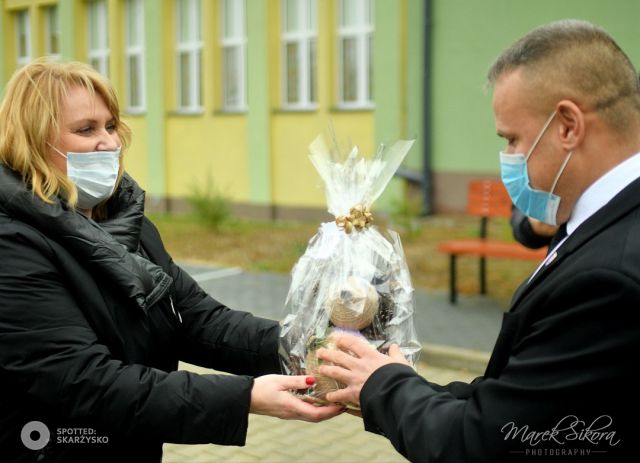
pixel 295 109
pixel 230 112
pixel 187 112
pixel 367 107
pixel 135 112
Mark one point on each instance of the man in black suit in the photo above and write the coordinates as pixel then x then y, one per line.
pixel 560 379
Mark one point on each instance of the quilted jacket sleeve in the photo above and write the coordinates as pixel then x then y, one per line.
pixel 212 335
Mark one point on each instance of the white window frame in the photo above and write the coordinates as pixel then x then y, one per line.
pixel 305 36
pixel 192 47
pixel 134 49
pixel 51 29
pixel 362 31
pixel 23 26
pixel 98 53
pixel 239 43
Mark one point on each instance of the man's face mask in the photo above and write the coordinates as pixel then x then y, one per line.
pixel 94 174
pixel 537 204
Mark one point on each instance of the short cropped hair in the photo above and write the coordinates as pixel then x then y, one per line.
pixel 29 118
pixel 575 60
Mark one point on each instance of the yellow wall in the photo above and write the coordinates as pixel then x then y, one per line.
pixel 200 145
pixel 136 158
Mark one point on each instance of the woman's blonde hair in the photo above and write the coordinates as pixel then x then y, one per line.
pixel 29 119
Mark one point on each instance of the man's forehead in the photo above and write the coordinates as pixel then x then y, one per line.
pixel 508 89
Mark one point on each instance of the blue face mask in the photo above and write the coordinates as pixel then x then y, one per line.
pixel 537 204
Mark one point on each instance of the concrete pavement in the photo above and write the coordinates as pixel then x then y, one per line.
pixel 270 440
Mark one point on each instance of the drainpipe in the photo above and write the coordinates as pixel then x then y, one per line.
pixel 427 174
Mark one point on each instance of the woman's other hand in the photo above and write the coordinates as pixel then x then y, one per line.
pixel 271 396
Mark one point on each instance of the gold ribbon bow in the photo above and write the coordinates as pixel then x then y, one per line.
pixel 359 217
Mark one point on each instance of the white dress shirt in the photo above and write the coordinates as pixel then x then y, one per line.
pixel 596 197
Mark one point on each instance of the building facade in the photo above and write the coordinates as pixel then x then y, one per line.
pixel 235 90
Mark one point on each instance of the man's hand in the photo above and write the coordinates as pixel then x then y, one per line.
pixel 353 364
pixel 271 396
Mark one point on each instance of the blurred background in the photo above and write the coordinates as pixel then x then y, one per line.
pixel 224 97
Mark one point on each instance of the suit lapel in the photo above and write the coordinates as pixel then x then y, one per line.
pixel 623 203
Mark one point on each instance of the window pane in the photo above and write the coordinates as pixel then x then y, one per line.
pixel 53 30
pixel 183 20
pixel 231 77
pixel 312 70
pixel 368 12
pixel 349 12
pixel 291 12
pixel 134 81
pixel 370 69
pixel 311 14
pixel 196 81
pixel 21 32
pixel 349 70
pixel 229 26
pixel 293 73
pixel 92 27
pixel 196 24
pixel 184 79
pixel 97 64
pixel 131 22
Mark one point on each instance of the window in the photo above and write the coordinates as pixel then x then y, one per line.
pixel 355 40
pixel 52 32
pixel 233 55
pixel 299 53
pixel 23 38
pixel 189 48
pixel 134 55
pixel 98 36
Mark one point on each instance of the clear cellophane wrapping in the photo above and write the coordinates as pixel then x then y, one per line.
pixel 352 277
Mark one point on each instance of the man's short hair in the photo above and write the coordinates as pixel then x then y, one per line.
pixel 575 60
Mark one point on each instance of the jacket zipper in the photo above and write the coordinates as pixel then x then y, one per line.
pixel 175 312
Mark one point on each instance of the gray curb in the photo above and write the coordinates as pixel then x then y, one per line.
pixel 455 358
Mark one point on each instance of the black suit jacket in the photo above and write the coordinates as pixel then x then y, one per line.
pixel 564 362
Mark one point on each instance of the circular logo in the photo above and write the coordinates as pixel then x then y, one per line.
pixel 35 435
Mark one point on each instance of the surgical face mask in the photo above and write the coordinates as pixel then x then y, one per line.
pixel 94 174
pixel 537 204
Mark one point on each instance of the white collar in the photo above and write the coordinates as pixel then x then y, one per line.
pixel 603 190
pixel 595 197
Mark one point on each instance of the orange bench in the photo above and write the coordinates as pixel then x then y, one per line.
pixel 486 199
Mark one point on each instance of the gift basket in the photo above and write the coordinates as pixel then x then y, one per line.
pixel 353 276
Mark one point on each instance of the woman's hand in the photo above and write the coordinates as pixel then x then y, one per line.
pixel 271 396
pixel 353 364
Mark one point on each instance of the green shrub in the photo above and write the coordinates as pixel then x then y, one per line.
pixel 405 215
pixel 210 204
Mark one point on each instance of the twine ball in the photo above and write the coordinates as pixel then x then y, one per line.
pixel 353 304
pixel 323 384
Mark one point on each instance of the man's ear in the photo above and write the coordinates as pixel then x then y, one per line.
pixel 571 127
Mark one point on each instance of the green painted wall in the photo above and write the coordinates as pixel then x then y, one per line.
pixel 413 81
pixel 387 72
pixel 467 37
pixel 259 144
pixel 156 110
pixel 387 76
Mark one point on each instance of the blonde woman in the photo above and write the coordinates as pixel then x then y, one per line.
pixel 94 314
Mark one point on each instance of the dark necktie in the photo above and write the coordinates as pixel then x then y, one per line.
pixel 559 236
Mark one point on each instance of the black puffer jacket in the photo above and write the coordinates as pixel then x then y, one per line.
pixel 93 320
